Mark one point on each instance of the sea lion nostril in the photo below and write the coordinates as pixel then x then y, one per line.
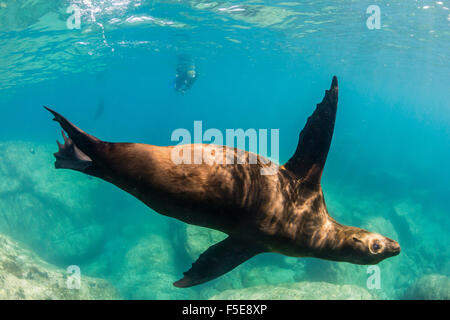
pixel 395 247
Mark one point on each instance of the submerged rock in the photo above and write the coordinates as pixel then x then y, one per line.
pixel 53 212
pixel 23 275
pixel 269 274
pixel 430 287
pixel 149 271
pixel 381 226
pixel 297 291
pixel 410 212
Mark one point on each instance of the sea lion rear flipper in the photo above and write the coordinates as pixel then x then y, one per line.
pixel 216 261
pixel 70 157
pixel 315 139
pixel 79 149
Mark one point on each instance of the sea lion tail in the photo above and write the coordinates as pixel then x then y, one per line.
pixel 79 149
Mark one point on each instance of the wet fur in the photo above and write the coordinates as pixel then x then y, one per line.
pixel 283 213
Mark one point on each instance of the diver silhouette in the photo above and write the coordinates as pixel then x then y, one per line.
pixel 186 74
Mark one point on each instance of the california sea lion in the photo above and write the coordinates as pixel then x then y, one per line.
pixel 283 213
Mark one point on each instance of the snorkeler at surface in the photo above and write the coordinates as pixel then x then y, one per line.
pixel 186 74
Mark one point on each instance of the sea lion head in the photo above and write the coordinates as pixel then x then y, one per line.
pixel 363 247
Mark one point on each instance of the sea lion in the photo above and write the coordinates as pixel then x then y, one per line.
pixel 283 213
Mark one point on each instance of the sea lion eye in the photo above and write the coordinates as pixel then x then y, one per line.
pixel 375 247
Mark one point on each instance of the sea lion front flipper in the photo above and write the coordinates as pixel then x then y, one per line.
pixel 315 139
pixel 216 261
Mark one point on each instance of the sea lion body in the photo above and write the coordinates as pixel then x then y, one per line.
pixel 282 212
pixel 233 198
pixel 208 195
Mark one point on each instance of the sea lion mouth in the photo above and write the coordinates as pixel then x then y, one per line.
pixel 394 248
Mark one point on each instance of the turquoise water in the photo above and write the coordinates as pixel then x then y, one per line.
pixel 260 64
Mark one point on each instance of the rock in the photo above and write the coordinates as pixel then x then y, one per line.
pixel 23 275
pixel 430 287
pixel 149 271
pixel 297 291
pixel 411 212
pixel 382 226
pixel 270 274
pixel 151 252
pixel 54 212
pixel 230 281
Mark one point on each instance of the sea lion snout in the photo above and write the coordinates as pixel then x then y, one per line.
pixel 393 247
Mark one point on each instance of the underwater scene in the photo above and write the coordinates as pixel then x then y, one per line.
pixel 131 221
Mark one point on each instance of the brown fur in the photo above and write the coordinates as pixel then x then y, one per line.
pixel 283 213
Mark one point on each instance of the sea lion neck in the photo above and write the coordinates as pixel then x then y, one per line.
pixel 315 231
pixel 334 241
